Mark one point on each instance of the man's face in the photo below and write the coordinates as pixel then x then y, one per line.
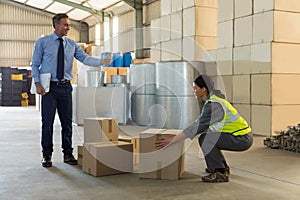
pixel 199 92
pixel 62 28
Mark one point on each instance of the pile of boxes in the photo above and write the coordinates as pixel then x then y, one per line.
pixel 104 152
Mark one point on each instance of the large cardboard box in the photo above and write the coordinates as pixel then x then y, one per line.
pixel 166 163
pixel 199 21
pixel 135 141
pixel 107 158
pixel 100 130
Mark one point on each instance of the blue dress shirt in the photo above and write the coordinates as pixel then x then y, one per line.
pixel 44 58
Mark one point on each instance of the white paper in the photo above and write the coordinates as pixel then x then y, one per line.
pixel 45 81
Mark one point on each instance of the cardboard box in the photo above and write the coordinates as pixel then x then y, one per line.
pixel 107 158
pixel 165 29
pixel 110 71
pixel 79 154
pixel 243 8
pixel 263 6
pixel 261 58
pixel 241 89
pixel 225 34
pixel 166 164
pixel 202 3
pixel 225 10
pixel 123 70
pixel 224 61
pixel 100 130
pixel 243 31
pixel 136 146
pixel 141 60
pixel 199 21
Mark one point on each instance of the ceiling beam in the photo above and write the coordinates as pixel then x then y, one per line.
pixel 96 13
pixel 136 4
pixel 75 5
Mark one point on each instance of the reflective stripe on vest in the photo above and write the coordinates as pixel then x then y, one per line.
pixel 232 122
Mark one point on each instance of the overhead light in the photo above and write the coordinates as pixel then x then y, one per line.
pixel 121 3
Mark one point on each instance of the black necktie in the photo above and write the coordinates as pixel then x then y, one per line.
pixel 60 61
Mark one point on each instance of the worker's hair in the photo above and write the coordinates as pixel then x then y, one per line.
pixel 58 17
pixel 204 81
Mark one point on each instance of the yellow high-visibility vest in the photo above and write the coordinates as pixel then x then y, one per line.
pixel 232 122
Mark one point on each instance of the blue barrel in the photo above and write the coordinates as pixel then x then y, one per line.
pixel 127 59
pixel 104 54
pixel 118 60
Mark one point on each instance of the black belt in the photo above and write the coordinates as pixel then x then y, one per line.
pixel 59 82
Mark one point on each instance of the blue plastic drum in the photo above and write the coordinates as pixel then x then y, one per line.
pixel 127 59
pixel 118 59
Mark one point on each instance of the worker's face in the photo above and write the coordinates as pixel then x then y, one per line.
pixel 62 28
pixel 199 92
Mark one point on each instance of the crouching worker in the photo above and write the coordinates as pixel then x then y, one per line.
pixel 220 128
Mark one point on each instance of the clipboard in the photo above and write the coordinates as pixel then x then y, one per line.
pixel 45 81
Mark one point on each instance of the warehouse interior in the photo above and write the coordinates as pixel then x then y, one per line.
pixel 248 47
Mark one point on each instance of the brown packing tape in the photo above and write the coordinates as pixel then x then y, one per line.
pixel 110 124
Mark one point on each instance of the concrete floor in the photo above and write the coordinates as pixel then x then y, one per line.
pixel 258 173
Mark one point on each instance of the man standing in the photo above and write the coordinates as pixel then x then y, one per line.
pixel 54 54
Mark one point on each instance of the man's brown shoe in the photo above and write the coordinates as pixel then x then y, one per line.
pixel 69 158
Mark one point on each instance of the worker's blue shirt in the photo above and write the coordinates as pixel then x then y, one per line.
pixel 44 59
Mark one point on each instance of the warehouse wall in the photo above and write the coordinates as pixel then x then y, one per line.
pixel 19 29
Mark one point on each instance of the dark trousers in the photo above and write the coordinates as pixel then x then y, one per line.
pixel 212 144
pixel 59 97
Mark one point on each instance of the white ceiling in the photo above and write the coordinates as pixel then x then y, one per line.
pixel 74 13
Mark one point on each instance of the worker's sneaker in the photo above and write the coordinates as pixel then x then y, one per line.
pixel 69 158
pixel 46 161
pixel 215 177
pixel 227 170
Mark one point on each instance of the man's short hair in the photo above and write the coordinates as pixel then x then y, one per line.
pixel 58 17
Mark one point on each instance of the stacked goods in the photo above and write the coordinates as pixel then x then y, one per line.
pixel 102 154
pixel 11 86
pixel 105 153
pixel 288 140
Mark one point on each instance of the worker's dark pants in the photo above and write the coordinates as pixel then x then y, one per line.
pixel 59 97
pixel 212 144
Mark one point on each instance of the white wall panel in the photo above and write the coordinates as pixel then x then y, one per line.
pixel 19 29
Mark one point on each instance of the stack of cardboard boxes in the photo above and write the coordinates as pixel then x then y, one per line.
pixel 104 152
